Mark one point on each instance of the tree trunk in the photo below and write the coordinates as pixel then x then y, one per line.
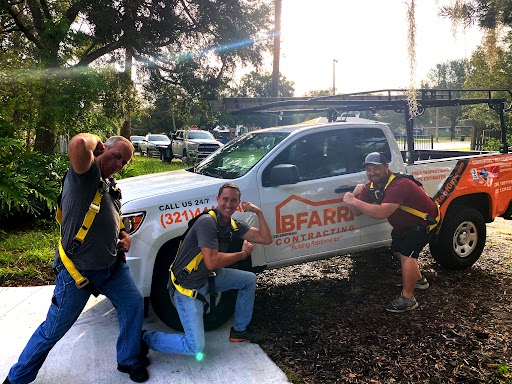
pixel 126 128
pixel 45 141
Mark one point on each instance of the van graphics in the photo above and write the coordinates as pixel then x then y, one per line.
pixel 302 223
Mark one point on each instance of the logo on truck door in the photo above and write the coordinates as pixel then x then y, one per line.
pixel 299 220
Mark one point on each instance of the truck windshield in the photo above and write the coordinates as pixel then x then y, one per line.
pixel 240 155
pixel 200 135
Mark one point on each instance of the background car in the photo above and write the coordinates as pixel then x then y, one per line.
pixel 135 141
pixel 154 144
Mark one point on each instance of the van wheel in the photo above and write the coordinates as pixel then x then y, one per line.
pixel 163 305
pixel 461 240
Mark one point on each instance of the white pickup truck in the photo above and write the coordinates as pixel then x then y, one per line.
pixel 195 144
pixel 298 176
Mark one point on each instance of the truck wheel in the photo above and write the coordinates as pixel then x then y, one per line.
pixel 460 241
pixel 163 305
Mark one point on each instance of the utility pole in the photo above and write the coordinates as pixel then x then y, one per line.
pixel 277 49
pixel 334 61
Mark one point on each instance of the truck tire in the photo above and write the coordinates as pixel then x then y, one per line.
pixel 163 305
pixel 461 240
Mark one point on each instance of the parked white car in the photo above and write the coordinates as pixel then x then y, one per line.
pixel 154 144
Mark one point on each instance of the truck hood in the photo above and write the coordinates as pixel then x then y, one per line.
pixel 206 141
pixel 156 184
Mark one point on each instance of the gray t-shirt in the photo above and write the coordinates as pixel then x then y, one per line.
pixel 98 251
pixel 204 234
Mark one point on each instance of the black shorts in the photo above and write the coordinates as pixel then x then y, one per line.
pixel 411 241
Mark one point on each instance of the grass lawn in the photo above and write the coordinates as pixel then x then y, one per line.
pixel 26 254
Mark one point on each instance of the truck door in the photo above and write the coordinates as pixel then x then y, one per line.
pixel 309 219
pixel 365 141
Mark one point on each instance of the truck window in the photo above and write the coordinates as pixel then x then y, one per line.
pixel 366 140
pixel 316 156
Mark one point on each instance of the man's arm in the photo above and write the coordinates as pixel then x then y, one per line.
pixel 213 259
pixel 260 235
pixel 375 211
pixel 82 150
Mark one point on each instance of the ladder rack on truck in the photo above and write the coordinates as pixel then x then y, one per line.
pixel 499 100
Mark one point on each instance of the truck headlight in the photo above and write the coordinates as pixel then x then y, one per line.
pixel 133 221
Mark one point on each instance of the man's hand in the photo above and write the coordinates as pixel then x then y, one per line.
pixel 100 148
pixel 124 242
pixel 250 207
pixel 349 198
pixel 247 247
pixel 358 190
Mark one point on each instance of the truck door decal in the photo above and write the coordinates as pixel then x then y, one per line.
pixel 321 222
pixel 451 182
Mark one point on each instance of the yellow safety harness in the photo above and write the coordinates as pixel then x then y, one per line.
pixel 94 208
pixel 377 196
pixel 193 265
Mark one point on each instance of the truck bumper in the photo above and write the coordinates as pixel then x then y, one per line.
pixel 141 259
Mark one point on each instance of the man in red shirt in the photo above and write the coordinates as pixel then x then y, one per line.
pixel 385 197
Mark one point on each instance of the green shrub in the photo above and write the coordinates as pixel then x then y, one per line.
pixel 29 181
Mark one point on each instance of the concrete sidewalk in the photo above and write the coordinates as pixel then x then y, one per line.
pixel 86 354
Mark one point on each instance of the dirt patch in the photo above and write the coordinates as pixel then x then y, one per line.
pixel 325 322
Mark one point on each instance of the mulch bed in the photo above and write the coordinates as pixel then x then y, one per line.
pixel 325 322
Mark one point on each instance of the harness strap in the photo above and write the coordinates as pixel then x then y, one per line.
pixel 413 211
pixel 192 293
pixel 192 266
pixel 80 281
pixel 94 208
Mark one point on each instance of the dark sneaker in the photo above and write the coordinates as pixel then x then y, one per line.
pixel 144 350
pixel 137 371
pixel 244 336
pixel 422 283
pixel 402 304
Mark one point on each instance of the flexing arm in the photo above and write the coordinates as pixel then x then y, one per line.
pixel 260 235
pixel 214 259
pixel 375 211
pixel 82 150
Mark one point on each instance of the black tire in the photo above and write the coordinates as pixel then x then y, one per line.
pixel 164 306
pixel 461 240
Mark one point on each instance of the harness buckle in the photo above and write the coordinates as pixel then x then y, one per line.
pixel 194 293
pixel 82 283
pixel 94 207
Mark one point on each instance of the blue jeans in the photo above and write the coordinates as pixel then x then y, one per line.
pixel 68 302
pixel 191 313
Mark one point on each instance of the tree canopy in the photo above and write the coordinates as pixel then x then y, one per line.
pixel 191 45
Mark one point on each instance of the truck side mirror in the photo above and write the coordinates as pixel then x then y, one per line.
pixel 282 174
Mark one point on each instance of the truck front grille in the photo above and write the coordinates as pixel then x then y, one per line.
pixel 206 149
